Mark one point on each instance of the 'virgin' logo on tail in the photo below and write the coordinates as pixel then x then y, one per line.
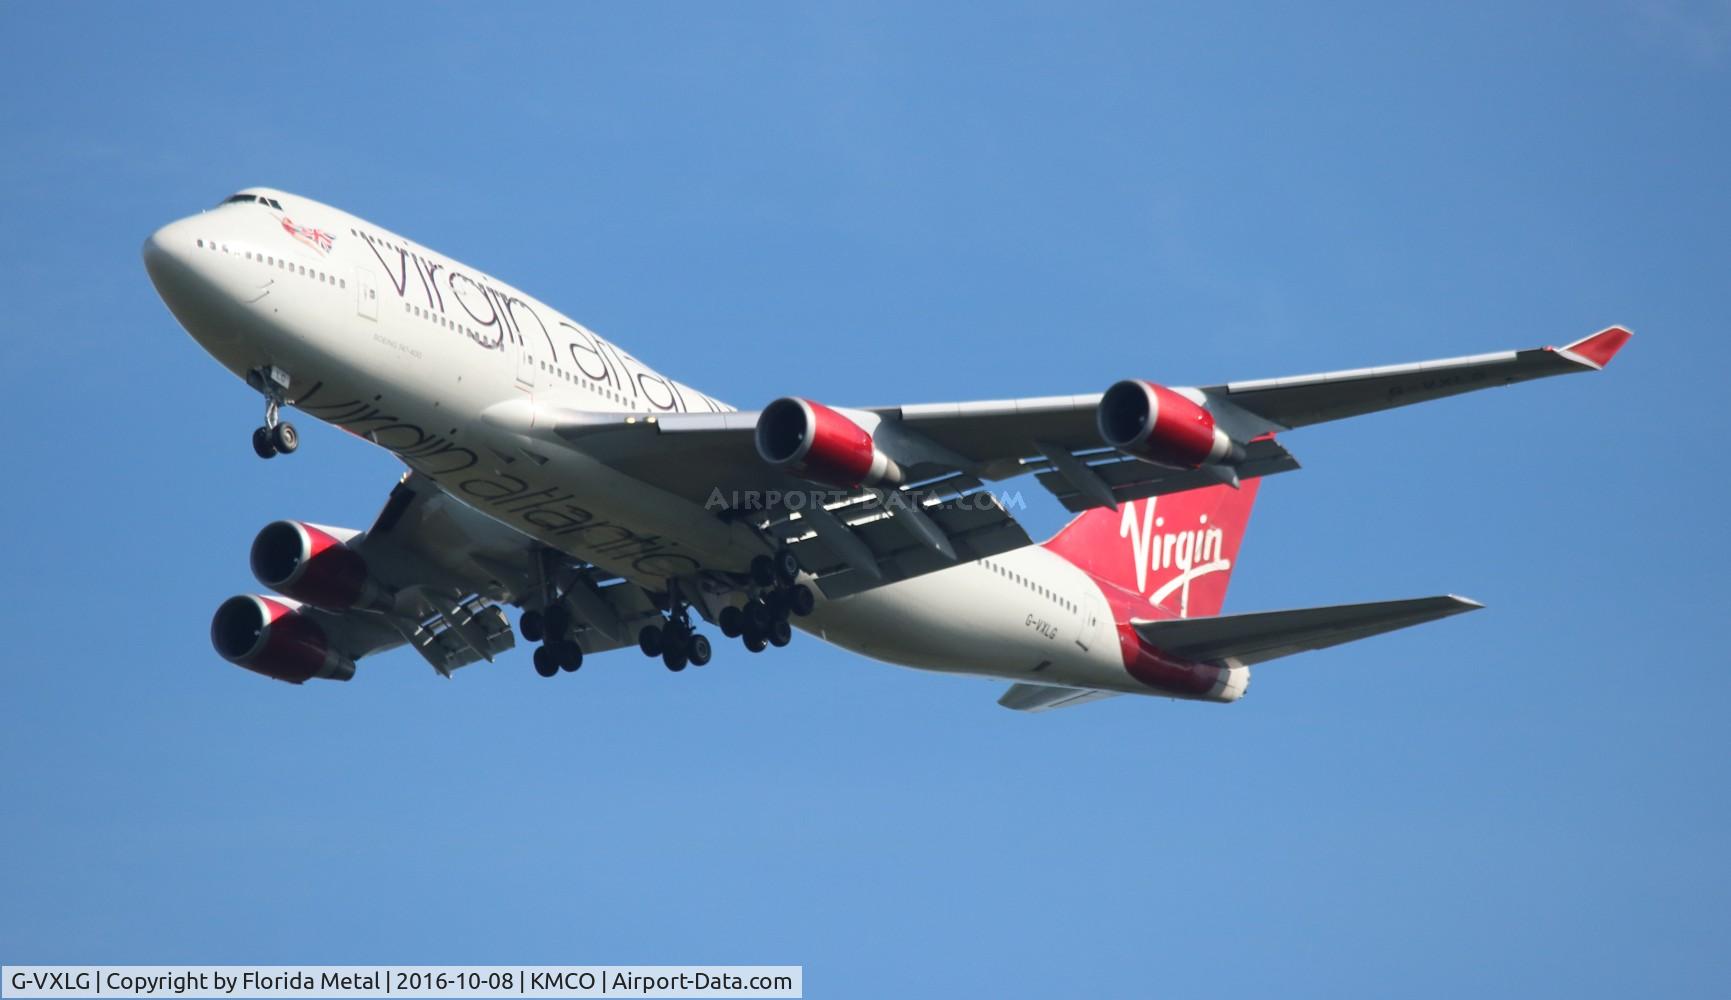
pixel 1194 552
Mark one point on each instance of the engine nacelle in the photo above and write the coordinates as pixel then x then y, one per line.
pixel 1157 425
pixel 313 565
pixel 819 444
pixel 272 638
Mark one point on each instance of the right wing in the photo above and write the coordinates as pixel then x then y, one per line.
pixel 1267 635
pixel 450 568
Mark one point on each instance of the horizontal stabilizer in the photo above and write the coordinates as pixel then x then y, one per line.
pixel 1267 635
pixel 1040 697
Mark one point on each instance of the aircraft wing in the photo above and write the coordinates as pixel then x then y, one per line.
pixel 1021 435
pixel 1267 635
pixel 849 540
pixel 451 568
pixel 944 512
pixel 1284 403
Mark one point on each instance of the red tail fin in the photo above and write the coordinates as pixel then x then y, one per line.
pixel 1177 551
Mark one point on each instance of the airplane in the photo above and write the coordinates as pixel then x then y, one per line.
pixel 550 470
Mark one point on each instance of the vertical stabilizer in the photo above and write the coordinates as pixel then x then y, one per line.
pixel 1176 551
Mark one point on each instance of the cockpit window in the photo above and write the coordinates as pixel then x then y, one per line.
pixel 259 198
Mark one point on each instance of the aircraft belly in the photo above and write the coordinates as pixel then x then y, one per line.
pixel 966 619
pixel 419 397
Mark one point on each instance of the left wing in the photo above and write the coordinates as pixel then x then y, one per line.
pixel 916 499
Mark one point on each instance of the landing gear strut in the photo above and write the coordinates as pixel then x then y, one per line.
pixel 277 436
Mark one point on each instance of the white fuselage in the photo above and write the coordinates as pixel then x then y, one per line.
pixel 410 349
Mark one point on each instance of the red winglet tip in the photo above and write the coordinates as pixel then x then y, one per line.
pixel 1601 347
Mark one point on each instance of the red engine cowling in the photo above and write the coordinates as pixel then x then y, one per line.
pixel 312 565
pixel 1158 425
pixel 271 638
pixel 816 443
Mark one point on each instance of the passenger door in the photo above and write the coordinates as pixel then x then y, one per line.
pixel 366 294
pixel 525 367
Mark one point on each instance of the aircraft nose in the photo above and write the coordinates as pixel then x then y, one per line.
pixel 166 251
pixel 185 277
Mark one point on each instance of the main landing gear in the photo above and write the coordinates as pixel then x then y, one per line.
pixel 763 622
pixel 774 592
pixel 551 627
pixel 277 436
pixel 675 641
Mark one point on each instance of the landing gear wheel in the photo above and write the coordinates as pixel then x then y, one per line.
pixel 261 443
pixel 780 633
pixel 284 438
pixel 763 571
pixel 570 655
pixel 649 640
pixel 755 642
pixel 732 621
pixel 555 622
pixel 786 567
pixel 776 601
pixel 675 659
pixel 530 626
pixel 758 617
pixel 800 600
pixel 546 663
pixel 698 650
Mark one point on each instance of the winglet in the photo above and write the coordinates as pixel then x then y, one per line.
pixel 1600 348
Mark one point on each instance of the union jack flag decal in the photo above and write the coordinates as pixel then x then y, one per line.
pixel 318 239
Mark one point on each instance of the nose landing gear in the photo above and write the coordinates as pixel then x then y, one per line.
pixel 277 436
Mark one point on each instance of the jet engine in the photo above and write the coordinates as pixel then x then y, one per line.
pixel 315 565
pixel 822 445
pixel 1158 425
pixel 272 638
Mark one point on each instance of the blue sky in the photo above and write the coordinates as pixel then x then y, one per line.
pixel 887 204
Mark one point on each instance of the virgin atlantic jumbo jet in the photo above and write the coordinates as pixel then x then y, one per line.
pixel 551 470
